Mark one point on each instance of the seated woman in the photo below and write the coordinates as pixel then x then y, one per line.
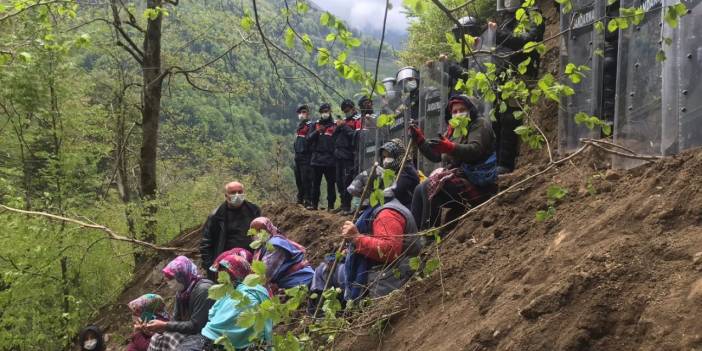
pixel 92 339
pixel 144 309
pixel 286 266
pixel 191 308
pixel 225 312
pixel 469 176
pixel 392 153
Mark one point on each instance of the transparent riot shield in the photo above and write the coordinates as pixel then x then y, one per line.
pixel 433 96
pixel 581 45
pixel 688 54
pixel 367 142
pixel 482 53
pixel 638 114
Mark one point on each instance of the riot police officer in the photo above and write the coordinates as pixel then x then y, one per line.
pixel 303 156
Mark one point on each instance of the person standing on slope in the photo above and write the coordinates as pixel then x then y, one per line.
pixel 228 226
pixel 321 143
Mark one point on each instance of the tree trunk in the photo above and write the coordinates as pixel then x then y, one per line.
pixel 150 114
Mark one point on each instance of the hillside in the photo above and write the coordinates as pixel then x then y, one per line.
pixel 617 268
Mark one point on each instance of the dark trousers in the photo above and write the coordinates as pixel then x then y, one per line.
pixel 456 197
pixel 329 176
pixel 303 180
pixel 507 140
pixel 345 172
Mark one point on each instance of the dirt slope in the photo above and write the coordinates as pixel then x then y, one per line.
pixel 318 231
pixel 617 268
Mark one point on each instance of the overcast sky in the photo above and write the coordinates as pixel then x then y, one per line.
pixel 368 14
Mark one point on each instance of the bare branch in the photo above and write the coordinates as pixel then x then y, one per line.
pixel 263 38
pixel 111 234
pixel 134 54
pixel 303 67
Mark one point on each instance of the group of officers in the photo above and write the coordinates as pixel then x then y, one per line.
pixel 329 148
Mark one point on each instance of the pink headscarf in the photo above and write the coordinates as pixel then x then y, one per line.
pixel 235 262
pixel 268 224
pixel 185 272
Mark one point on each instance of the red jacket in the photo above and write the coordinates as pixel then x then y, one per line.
pixel 385 244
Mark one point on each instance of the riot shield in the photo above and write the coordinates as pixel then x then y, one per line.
pixel 482 53
pixel 367 142
pixel 581 45
pixel 433 96
pixel 688 61
pixel 638 114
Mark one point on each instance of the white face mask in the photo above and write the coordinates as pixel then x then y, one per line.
pixel 236 199
pixel 349 114
pixel 301 116
pixel 387 162
pixel 460 114
pixel 90 344
pixel 326 115
pixel 411 85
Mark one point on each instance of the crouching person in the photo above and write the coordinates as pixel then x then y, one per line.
pixel 469 176
pixel 191 308
pixel 223 316
pixel 145 309
pixel 286 266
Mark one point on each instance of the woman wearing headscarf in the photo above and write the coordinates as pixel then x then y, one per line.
pixel 223 315
pixel 191 307
pixel 286 266
pixel 144 309
pixel 469 176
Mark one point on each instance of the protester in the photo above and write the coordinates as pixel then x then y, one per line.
pixel 380 246
pixel 224 315
pixel 144 309
pixel 345 153
pixel 321 143
pixel 303 156
pixel 391 155
pixel 227 227
pixel 286 266
pixel 469 174
pixel 92 339
pixel 190 312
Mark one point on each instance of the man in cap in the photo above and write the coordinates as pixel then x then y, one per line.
pixel 303 156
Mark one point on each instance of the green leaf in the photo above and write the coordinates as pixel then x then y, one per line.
pixel 307 43
pixel 431 266
pixel 599 26
pixel 289 38
pixel 259 268
pixel 385 120
pixel 342 56
pixel 612 25
pixel 660 56
pixel 414 263
pixel 330 37
pixel 253 280
pixel 322 57
pixel 555 192
pixel 302 7
pixel 324 18
pixel 218 291
pixel 353 43
pixel 388 177
pixel 524 65
pixel 246 22
pixel 246 319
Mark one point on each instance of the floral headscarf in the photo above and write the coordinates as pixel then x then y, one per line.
pixel 184 271
pixel 149 307
pixel 268 224
pixel 235 262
